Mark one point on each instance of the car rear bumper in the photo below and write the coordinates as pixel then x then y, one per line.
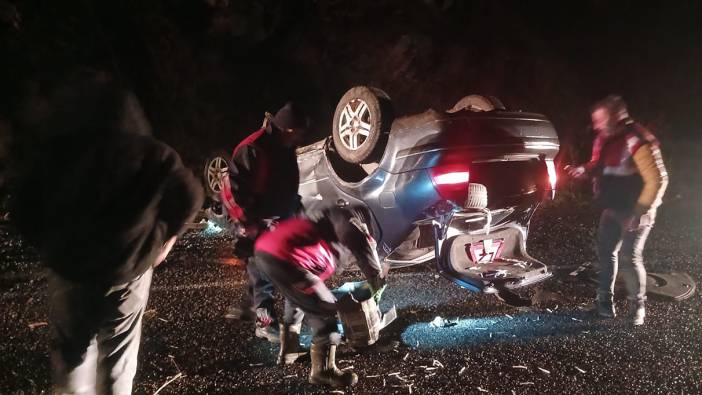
pixel 512 267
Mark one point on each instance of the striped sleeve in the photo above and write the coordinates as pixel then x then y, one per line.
pixel 649 163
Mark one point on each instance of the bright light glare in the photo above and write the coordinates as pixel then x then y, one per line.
pixel 457 177
pixel 551 168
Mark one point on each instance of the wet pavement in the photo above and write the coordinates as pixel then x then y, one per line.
pixel 553 347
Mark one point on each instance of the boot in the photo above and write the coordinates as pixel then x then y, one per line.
pixel 637 313
pixel 604 307
pixel 324 370
pixel 290 347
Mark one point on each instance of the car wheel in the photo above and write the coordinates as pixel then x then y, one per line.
pixel 362 122
pixel 477 103
pixel 215 169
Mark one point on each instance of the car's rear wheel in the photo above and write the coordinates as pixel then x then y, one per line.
pixel 215 169
pixel 362 122
pixel 477 103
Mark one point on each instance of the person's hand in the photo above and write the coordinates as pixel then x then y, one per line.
pixel 243 247
pixel 377 285
pixel 249 230
pixel 636 222
pixel 165 249
pixel 575 171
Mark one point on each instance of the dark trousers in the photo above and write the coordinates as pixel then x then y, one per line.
pixel 318 305
pixel 260 289
pixel 621 250
pixel 261 295
pixel 96 331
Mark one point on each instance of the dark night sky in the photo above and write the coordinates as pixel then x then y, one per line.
pixel 206 70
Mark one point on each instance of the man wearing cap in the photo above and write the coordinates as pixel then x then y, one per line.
pixel 262 188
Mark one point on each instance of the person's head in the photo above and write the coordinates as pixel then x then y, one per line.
pixel 608 113
pixel 84 102
pixel 291 123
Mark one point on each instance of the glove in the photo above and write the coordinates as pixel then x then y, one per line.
pixel 636 222
pixel 243 247
pixel 575 171
pixel 377 286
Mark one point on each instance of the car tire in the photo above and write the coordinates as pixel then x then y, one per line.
pixel 477 196
pixel 478 103
pixel 362 123
pixel 216 167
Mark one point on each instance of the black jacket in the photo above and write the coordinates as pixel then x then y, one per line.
pixel 264 177
pixel 100 207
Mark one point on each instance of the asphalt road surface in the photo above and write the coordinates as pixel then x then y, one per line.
pixel 553 347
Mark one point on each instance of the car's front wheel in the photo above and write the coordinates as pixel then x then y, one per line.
pixel 362 122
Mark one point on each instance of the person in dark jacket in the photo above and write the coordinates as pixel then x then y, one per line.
pixel 298 256
pixel 630 180
pixel 103 201
pixel 261 189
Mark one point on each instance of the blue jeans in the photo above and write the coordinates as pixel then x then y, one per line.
pixel 621 250
pixel 96 330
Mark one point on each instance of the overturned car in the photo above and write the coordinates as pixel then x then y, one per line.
pixel 456 187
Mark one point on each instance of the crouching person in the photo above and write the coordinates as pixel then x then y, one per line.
pixel 298 256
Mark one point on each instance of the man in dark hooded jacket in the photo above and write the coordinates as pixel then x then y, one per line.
pixel 103 201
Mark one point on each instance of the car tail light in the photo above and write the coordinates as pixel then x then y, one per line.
pixel 451 181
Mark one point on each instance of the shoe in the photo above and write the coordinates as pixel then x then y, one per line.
pixel 637 313
pixel 604 308
pixel 324 370
pixel 266 326
pixel 290 348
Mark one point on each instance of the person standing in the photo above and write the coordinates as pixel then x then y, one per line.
pixel 261 189
pixel 630 179
pixel 103 201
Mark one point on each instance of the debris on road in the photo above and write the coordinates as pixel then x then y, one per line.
pixel 35 325
pixel 439 322
pixel 580 269
pixel 176 377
